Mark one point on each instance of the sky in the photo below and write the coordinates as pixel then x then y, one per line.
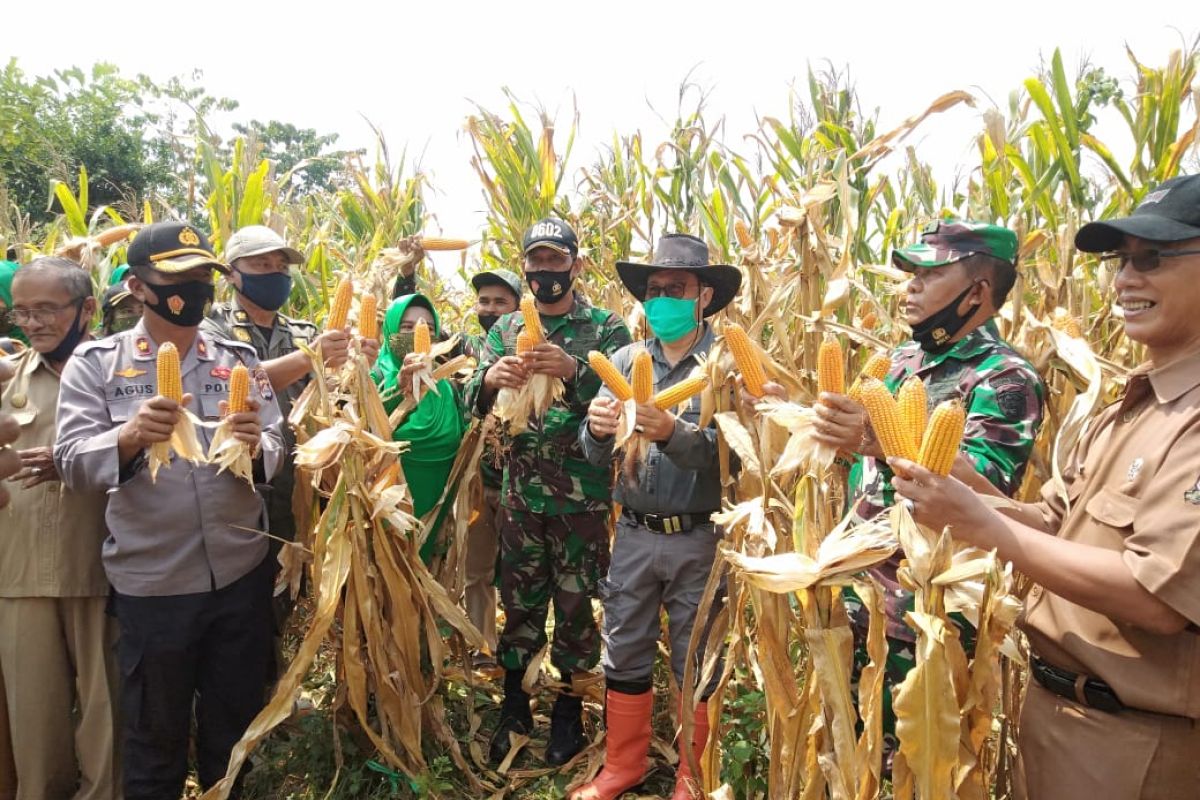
pixel 417 70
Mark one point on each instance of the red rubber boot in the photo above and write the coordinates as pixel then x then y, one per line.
pixel 628 741
pixel 685 782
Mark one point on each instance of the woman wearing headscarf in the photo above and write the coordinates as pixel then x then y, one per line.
pixel 434 428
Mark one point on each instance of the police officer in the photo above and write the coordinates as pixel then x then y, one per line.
pixel 191 580
pixel 1113 710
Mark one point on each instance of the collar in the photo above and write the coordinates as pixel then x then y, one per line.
pixel 702 345
pixel 241 318
pixel 974 344
pixel 1172 381
pixel 146 349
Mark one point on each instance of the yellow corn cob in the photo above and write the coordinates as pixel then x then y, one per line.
pixel 421 342
pixel 1064 322
pixel 831 367
pixel 368 323
pixel 339 311
pixel 643 377
pixel 885 420
pixel 533 322
pixel 610 375
pixel 170 384
pixel 943 437
pixel 914 408
pixel 686 389
pixel 524 343
pixel 239 389
pixel 743 234
pixel 440 243
pixel 753 376
pixel 877 367
pixel 868 322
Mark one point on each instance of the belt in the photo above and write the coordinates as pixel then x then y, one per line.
pixel 1087 691
pixel 668 525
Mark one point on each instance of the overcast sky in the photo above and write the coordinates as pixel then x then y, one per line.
pixel 415 69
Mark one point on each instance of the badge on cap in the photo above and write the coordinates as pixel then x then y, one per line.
pixel 175 303
pixel 221 373
pixel 188 238
pixel 130 372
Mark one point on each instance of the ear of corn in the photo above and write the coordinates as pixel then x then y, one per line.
pixel 686 389
pixel 610 375
pixel 914 408
pixel 524 343
pixel 643 377
pixel 435 243
pixel 170 384
pixel 533 322
pixel 421 342
pixel 339 311
pixel 239 389
pixel 753 376
pixel 1063 321
pixel 831 367
pixel 943 437
pixel 743 234
pixel 886 421
pixel 368 322
pixel 877 367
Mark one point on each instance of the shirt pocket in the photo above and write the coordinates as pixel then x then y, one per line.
pixel 1113 509
pixel 208 407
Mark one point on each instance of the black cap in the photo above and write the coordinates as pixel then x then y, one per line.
pixel 114 296
pixel 553 233
pixel 172 247
pixel 1170 213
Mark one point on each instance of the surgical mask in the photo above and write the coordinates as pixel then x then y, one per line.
pixel 671 318
pixel 549 286
pixel 486 321
pixel 269 292
pixel 182 304
pixel 935 333
pixel 69 342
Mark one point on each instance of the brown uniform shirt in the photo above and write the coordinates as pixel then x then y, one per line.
pixel 1133 484
pixel 50 546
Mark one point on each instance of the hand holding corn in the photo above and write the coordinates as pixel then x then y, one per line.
pixel 241 410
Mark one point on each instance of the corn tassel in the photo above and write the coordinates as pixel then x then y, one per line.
pixel 914 408
pixel 610 376
pixel 421 342
pixel 686 389
pixel 831 367
pixel 524 342
pixel 170 384
pixel 368 322
pixel 885 420
pixel 943 437
pixel 436 243
pixel 239 389
pixel 533 322
pixel 877 367
pixel 643 377
pixel 339 311
pixel 753 376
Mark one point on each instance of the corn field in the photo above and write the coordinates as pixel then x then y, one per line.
pixel 808 205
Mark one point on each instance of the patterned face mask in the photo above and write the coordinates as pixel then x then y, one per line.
pixel 400 345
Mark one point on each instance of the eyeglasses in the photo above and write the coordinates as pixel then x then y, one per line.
pixel 678 291
pixel 40 316
pixel 1144 260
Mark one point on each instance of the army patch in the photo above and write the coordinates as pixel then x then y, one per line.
pixel 263 382
pixel 1012 402
pixel 130 372
pixel 241 335
pixel 221 373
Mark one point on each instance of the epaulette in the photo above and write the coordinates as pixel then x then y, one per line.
pixel 107 343
pixel 230 344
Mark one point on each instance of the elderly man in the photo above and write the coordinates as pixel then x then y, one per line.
pixel 1113 710
pixel 665 543
pixel 55 638
pixel 191 578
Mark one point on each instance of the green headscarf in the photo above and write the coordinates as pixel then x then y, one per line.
pixel 434 429
pixel 7 270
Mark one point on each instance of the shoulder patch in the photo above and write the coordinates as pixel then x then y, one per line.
pixel 107 343
pixel 1012 401
pixel 241 348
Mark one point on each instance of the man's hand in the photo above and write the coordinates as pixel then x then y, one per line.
pixel 246 426
pixel 550 359
pixel 507 373
pixel 153 423
pixel 604 414
pixel 334 347
pixel 10 461
pixel 841 423
pixel 37 467
pixel 369 348
pixel 654 423
pixel 940 501
pixel 749 401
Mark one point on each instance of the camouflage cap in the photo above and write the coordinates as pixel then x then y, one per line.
pixel 498 277
pixel 948 240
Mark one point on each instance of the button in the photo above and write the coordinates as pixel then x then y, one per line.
pixel 19 400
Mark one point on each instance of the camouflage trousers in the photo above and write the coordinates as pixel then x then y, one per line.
pixel 548 560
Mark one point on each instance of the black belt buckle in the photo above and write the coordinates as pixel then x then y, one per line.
pixel 1095 693
pixel 666 525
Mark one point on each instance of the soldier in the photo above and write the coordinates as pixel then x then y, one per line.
pixel 665 544
pixel 555 505
pixel 190 575
pixel 962 273
pixel 55 637
pixel 1114 707
pixel 496 293
pixel 119 309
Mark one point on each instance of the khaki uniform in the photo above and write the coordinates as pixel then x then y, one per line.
pixel 55 637
pixel 1134 488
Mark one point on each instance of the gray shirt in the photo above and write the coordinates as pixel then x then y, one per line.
pixel 194 530
pixel 683 474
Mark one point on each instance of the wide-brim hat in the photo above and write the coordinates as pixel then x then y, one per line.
pixel 690 254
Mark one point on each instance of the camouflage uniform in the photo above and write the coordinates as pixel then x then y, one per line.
pixel 555 505
pixel 1003 396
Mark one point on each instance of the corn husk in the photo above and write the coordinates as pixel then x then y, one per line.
pixel 183 443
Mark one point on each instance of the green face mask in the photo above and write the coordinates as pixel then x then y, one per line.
pixel 401 344
pixel 671 319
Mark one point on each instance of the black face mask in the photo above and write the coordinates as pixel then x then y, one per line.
pixel 934 334
pixel 486 321
pixel 69 342
pixel 182 304
pixel 548 286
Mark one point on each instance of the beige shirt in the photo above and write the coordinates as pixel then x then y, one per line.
pixel 1134 487
pixel 51 536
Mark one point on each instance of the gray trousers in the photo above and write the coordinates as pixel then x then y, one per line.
pixel 650 571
